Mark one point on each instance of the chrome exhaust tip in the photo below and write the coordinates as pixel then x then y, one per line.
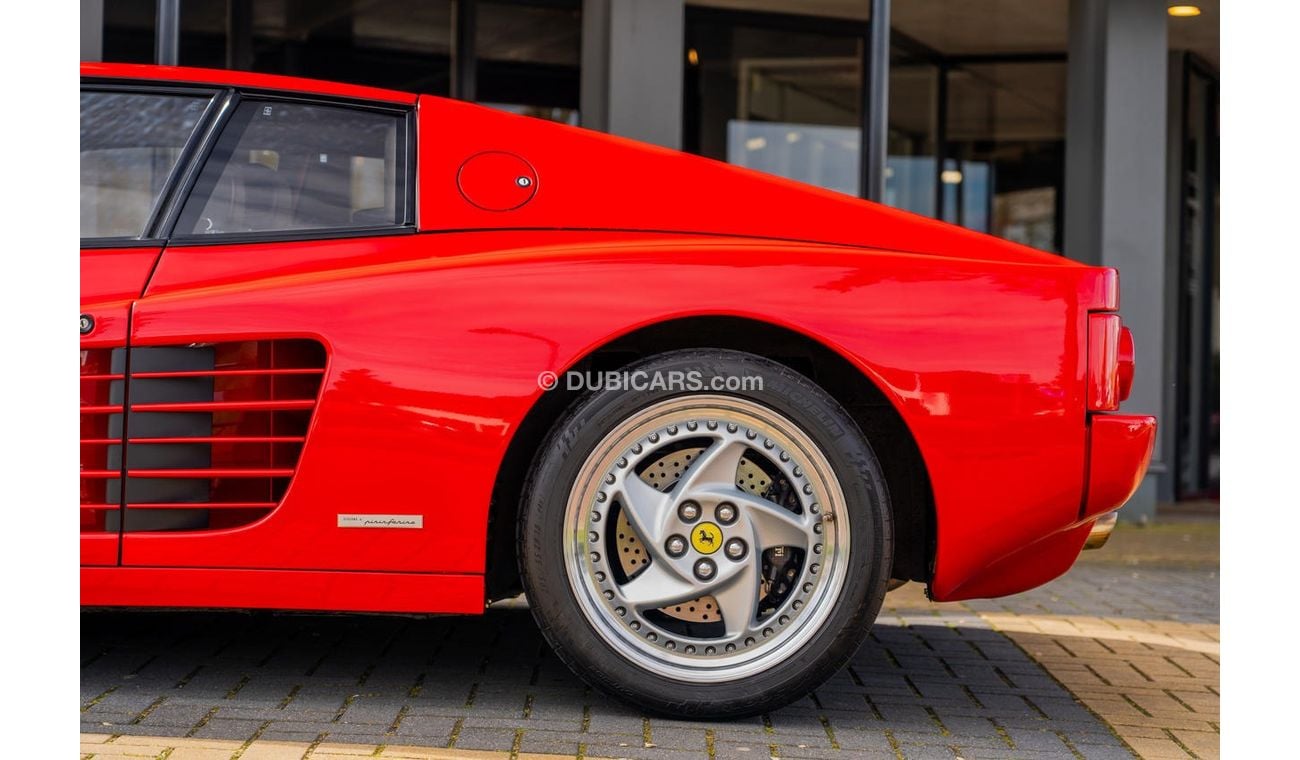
pixel 1101 530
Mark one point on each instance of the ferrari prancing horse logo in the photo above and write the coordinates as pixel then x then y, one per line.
pixel 706 538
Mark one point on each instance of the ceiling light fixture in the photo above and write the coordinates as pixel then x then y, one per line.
pixel 1184 11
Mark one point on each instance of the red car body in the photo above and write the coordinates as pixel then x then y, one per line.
pixel 534 248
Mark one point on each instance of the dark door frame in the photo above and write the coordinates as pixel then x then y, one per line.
pixel 1196 383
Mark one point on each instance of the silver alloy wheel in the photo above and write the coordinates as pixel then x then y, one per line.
pixel 806 533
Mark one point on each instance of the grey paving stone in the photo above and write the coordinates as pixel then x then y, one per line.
pixel 639 752
pixel 672 737
pixel 785 751
pixel 926 752
pixel 729 732
pixel 1099 752
pixel 547 746
pixel 288 734
pixel 222 728
pixel 486 738
pixel 177 715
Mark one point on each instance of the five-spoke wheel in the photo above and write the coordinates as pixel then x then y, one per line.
pixel 732 503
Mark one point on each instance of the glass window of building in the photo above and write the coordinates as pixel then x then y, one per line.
pixel 910 166
pixel 383 43
pixel 775 93
pixel 1196 241
pixel 1004 150
pixel 977 116
pixel 203 35
pixel 528 57
pixel 129 31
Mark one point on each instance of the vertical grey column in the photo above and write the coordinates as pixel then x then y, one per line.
pixel 1115 181
pixel 632 53
pixel 167 38
pixel 92 30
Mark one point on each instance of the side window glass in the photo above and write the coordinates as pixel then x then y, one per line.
pixel 281 167
pixel 130 143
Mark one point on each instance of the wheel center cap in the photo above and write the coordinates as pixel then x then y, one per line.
pixel 706 538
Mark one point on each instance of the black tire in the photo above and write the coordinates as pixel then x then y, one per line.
pixel 541 536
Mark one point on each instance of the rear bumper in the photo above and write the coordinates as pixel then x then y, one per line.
pixel 1119 450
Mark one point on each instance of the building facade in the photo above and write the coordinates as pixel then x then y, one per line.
pixel 1087 128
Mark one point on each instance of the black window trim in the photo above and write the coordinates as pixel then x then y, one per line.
pixel 97 244
pixel 149 237
pixel 181 191
pixel 167 230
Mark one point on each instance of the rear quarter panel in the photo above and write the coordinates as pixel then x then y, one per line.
pixel 436 342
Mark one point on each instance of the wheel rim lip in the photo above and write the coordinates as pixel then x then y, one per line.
pixel 805 623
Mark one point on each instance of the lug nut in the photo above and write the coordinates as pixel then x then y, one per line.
pixel 735 548
pixel 676 546
pixel 689 511
pixel 705 569
pixel 726 513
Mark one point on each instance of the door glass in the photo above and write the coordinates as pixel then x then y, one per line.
pixel 130 143
pixel 780 101
pixel 293 166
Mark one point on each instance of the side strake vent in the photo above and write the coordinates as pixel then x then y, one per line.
pixel 214 432
pixel 102 390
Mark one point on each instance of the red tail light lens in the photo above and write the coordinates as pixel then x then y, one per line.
pixel 1126 362
pixel 1104 338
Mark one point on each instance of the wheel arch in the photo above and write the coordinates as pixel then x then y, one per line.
pixel 906 474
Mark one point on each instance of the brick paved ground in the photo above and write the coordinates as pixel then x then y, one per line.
pixel 1116 658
